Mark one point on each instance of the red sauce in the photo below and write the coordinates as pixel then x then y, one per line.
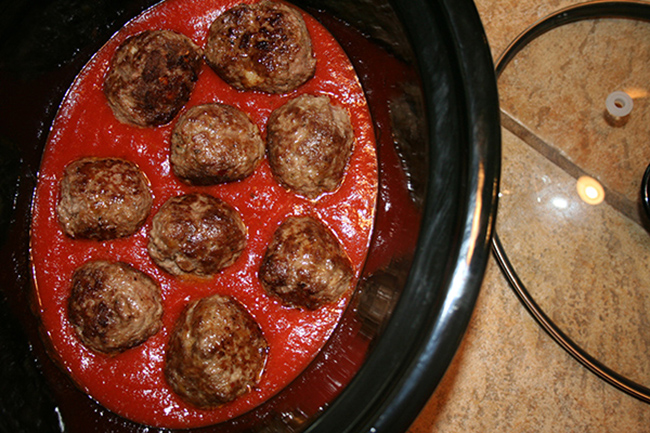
pixel 132 384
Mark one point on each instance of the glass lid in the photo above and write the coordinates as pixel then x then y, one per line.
pixel 573 233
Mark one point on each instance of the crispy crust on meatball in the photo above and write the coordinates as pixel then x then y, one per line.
pixel 113 306
pixel 215 143
pixel 151 77
pixel 103 198
pixel 196 234
pixel 216 352
pixel 309 143
pixel 304 265
pixel 264 46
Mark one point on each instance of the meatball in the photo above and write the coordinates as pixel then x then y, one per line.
pixel 309 145
pixel 196 234
pixel 304 264
pixel 263 46
pixel 216 352
pixel 103 198
pixel 215 143
pixel 151 77
pixel 113 306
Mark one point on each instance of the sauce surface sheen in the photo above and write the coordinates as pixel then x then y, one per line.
pixel 132 384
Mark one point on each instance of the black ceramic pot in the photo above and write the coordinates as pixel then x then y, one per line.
pixel 405 320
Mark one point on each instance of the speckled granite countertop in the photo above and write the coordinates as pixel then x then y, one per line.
pixel 508 374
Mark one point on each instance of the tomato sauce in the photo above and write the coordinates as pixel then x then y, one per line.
pixel 132 384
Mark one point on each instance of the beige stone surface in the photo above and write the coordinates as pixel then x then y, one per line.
pixel 508 374
pixel 504 20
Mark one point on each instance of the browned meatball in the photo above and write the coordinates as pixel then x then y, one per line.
pixel 309 144
pixel 113 306
pixel 263 46
pixel 151 77
pixel 304 264
pixel 103 198
pixel 215 143
pixel 216 352
pixel 196 234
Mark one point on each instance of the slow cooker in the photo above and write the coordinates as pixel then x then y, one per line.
pixel 438 144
